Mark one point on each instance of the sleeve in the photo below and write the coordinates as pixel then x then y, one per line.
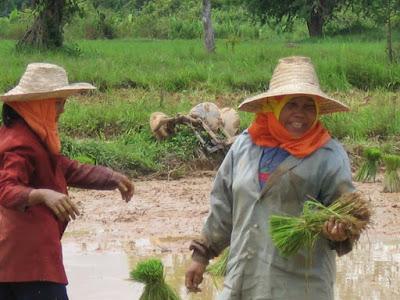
pixel 217 230
pixel 87 176
pixel 337 181
pixel 16 169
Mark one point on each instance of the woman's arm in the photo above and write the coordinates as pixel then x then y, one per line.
pixel 336 181
pixel 216 232
pixel 15 172
pixel 95 177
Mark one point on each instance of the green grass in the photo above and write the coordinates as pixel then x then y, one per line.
pixel 180 65
pixel 137 77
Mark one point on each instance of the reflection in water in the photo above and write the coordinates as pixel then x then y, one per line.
pixel 371 271
pixel 98 275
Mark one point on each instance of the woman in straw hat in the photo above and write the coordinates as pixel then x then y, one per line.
pixel 284 156
pixel 34 175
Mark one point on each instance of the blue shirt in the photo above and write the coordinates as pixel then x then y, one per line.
pixel 270 160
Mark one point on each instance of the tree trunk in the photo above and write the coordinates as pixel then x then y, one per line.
pixel 315 23
pixel 389 44
pixel 209 41
pixel 47 29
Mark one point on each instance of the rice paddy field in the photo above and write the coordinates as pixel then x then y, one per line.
pixel 110 127
pixel 137 77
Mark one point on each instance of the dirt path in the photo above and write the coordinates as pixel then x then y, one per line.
pixel 165 215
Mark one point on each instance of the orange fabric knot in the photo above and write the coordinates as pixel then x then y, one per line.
pixel 267 131
pixel 41 118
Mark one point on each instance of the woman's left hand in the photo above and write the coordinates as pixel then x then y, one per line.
pixel 125 186
pixel 334 230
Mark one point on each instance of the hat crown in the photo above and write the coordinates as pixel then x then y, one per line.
pixel 294 71
pixel 294 76
pixel 42 77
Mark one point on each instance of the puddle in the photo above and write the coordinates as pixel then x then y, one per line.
pixel 371 271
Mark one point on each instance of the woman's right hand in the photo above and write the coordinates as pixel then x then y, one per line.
pixel 194 276
pixel 59 203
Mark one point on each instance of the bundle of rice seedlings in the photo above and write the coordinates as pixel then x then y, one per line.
pixel 369 168
pixel 151 273
pixel 218 268
pixel 289 234
pixel 391 180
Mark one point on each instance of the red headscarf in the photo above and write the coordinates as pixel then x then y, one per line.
pixel 267 131
pixel 41 118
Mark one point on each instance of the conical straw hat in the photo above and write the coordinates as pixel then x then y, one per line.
pixel 44 81
pixel 294 76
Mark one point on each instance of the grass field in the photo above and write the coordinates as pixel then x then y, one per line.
pixel 137 77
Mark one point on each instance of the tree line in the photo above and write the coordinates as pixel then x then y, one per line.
pixel 51 15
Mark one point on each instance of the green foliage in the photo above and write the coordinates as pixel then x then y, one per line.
pixel 369 167
pixel 111 125
pixel 151 273
pixel 391 180
pixel 14 25
pixel 286 11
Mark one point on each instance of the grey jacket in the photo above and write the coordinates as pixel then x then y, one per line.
pixel 240 213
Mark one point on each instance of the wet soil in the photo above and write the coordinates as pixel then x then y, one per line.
pixel 164 216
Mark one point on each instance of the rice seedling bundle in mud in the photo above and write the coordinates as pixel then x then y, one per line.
pixel 151 273
pixel 289 234
pixel 391 180
pixel 369 167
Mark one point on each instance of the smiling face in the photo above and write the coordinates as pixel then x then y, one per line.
pixel 298 115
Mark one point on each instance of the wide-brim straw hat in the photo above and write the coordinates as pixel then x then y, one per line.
pixel 294 76
pixel 44 81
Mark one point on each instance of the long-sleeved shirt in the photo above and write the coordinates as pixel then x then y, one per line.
pixel 30 236
pixel 240 213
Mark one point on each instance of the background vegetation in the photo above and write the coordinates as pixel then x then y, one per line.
pixel 147 56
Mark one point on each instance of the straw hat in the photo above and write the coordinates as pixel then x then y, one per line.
pixel 44 81
pixel 294 76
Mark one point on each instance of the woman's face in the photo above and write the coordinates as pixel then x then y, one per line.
pixel 298 115
pixel 60 102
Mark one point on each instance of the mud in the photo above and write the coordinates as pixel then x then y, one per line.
pixel 110 237
pixel 164 216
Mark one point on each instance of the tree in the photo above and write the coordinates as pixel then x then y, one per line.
pixel 314 12
pixel 208 30
pixel 6 6
pixel 384 12
pixel 47 28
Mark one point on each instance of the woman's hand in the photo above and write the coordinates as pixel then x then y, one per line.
pixel 334 230
pixel 59 203
pixel 194 276
pixel 125 186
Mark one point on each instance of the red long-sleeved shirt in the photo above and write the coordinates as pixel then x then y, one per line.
pixel 30 239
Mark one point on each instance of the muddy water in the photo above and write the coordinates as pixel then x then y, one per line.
pixel 371 271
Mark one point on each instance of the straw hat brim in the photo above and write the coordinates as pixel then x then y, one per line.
pixel 327 104
pixel 18 94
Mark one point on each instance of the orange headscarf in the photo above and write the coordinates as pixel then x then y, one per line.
pixel 267 131
pixel 41 118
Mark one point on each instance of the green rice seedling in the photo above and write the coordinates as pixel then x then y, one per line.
pixel 391 180
pixel 369 168
pixel 151 273
pixel 290 234
pixel 218 268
